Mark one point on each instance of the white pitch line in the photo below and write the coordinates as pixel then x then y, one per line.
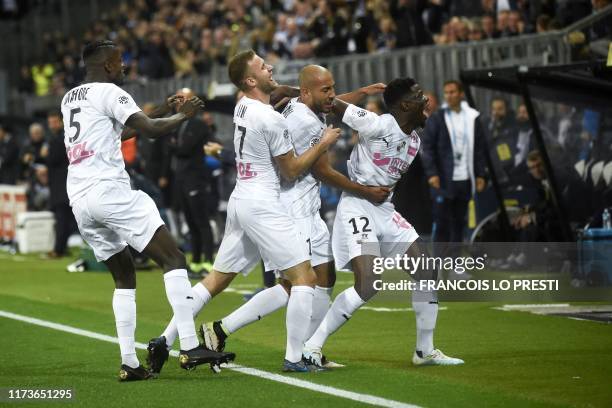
pixel 534 306
pixel 336 392
pixel 391 309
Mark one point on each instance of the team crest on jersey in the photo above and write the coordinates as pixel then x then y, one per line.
pixel 401 146
pixel 314 141
pixel 123 100
pixel 361 113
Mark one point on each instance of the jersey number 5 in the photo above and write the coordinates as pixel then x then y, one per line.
pixel 74 124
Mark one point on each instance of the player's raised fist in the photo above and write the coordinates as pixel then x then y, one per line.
pixel 374 89
pixel 191 106
pixel 330 136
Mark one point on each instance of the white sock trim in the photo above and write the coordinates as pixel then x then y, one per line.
pixel 175 273
pixel 200 290
pixel 326 290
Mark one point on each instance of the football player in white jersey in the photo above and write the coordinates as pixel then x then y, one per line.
pixel 258 225
pixel 305 117
pixel 363 231
pixel 110 215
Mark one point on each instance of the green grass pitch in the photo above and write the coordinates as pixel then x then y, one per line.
pixel 513 359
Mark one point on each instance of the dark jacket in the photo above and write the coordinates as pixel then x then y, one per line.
pixel 437 151
pixel 9 160
pixel 57 163
pixel 411 27
pixel 188 151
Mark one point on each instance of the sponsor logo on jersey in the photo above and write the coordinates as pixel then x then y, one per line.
pixel 286 134
pixel 123 100
pixel 314 141
pixel 361 113
pixel 78 153
pixel 245 171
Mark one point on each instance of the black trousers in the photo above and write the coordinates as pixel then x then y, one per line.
pixel 450 212
pixel 65 224
pixel 195 207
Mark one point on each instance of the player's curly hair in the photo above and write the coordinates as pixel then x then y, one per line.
pixel 91 49
pixel 396 90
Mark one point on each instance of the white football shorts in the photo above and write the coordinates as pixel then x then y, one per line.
pixel 112 215
pixel 362 228
pixel 255 230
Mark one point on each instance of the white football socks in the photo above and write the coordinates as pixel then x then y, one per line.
pixel 345 304
pixel 262 304
pixel 124 307
pixel 425 305
pixel 201 296
pixel 299 313
pixel 179 293
pixel 320 306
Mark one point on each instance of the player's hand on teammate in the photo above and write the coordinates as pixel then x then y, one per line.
pixel 191 106
pixel 330 136
pixel 374 89
pixel 376 195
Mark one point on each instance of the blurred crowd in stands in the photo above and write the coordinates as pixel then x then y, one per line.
pixel 166 38
pixel 35 156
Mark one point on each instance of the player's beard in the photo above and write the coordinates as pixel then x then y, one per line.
pixel 267 86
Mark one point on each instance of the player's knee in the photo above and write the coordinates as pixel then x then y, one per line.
pixel 286 284
pixel 175 260
pixel 328 280
pixel 306 277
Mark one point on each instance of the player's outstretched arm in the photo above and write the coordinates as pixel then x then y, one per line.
pixel 160 111
pixel 162 126
pixel 291 166
pixel 360 94
pixel 324 172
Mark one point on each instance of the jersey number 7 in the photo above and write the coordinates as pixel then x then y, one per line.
pixel 242 130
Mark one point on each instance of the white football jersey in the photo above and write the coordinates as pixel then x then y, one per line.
pixel 260 134
pixel 384 151
pixel 94 117
pixel 302 198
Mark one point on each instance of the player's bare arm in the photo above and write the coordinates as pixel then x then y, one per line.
pixel 282 95
pixel 158 127
pixel 159 112
pixel 324 172
pixel 291 166
pixel 360 94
